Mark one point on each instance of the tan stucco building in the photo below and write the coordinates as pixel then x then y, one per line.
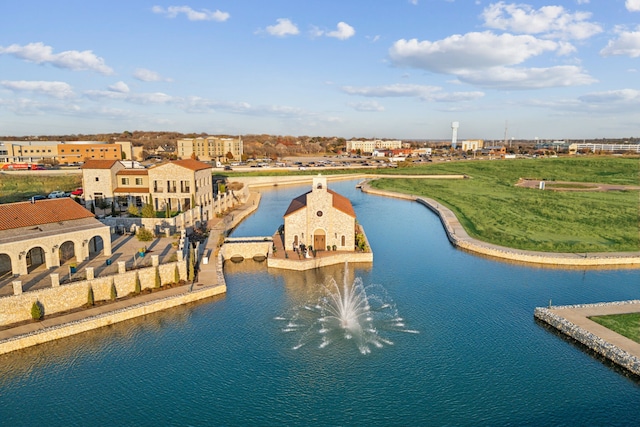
pixel 320 218
pixel 210 148
pixel 48 232
pixel 179 184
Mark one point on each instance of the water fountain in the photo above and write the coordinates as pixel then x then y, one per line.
pixel 364 314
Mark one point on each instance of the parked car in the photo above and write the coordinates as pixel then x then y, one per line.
pixel 77 192
pixel 228 168
pixel 56 194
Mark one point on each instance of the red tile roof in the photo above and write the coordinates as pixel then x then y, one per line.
pixel 132 172
pixel 195 165
pixel 27 214
pixel 339 202
pixel 127 190
pixel 99 164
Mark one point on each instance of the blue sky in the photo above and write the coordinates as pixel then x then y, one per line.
pixel 350 68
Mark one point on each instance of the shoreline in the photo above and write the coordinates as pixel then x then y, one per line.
pixel 459 238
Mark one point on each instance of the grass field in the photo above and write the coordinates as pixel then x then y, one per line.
pixel 18 188
pixel 492 209
pixel 627 324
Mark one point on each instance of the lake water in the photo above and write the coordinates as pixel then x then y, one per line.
pixel 478 357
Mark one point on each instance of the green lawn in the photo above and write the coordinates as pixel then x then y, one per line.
pixel 627 324
pixel 18 188
pixel 492 209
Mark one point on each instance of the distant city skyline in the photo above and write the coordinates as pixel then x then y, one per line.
pixel 403 69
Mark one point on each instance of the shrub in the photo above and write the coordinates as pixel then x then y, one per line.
pixel 137 289
pixel 335 248
pixel 148 211
pixel 114 291
pixel 90 299
pixel 133 210
pixel 157 283
pixel 144 235
pixel 37 311
pixel 176 275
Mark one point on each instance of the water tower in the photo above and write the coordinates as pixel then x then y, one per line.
pixel 454 134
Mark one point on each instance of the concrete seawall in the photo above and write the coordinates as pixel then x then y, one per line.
pixel 459 238
pixel 614 347
pixel 83 324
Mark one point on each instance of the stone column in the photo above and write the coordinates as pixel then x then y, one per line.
pixel 155 260
pixel 122 267
pixel 55 280
pixel 17 287
pixel 90 273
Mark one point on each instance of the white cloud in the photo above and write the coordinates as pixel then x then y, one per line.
pixel 470 51
pixel 627 44
pixel 120 87
pixel 155 98
pixel 426 93
pixel 548 21
pixel 633 5
pixel 60 90
pixel 192 15
pixel 145 75
pixel 527 78
pixel 487 60
pixel 70 59
pixel 366 106
pixel 283 28
pixel 343 32
pixel 626 96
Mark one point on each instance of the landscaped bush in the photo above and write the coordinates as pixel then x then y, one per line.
pixel 144 235
pixel 37 311
pixel 90 299
pixel 137 288
pixel 114 291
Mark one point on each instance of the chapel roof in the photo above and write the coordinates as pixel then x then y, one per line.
pixel 339 202
pixel 28 214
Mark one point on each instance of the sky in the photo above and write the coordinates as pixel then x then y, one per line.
pixel 400 69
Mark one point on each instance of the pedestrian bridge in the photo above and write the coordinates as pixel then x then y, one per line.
pixel 240 248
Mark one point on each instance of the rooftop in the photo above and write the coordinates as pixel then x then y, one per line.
pixel 28 214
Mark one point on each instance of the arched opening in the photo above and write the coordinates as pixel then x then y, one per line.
pixel 343 241
pixel 35 258
pixel 96 245
pixel 66 252
pixel 5 265
pixel 319 240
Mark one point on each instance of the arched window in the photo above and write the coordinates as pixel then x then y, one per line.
pixel 319 187
pixel 344 240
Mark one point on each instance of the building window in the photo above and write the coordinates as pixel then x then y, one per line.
pixel 97 179
pixel 138 181
pixel 125 181
pixel 343 241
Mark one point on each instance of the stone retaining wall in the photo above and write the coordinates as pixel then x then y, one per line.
pixel 594 342
pixel 57 299
pixel 324 261
pixel 246 247
pixel 87 324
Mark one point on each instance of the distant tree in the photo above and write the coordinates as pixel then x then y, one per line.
pixel 229 155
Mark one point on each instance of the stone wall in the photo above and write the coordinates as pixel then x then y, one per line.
pixel 246 247
pixel 324 261
pixel 95 322
pixel 594 342
pixel 56 299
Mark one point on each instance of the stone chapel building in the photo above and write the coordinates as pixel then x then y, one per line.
pixel 320 218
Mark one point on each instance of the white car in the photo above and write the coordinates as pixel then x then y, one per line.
pixel 55 194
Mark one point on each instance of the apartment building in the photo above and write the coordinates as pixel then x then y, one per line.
pixel 210 148
pixel 368 146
